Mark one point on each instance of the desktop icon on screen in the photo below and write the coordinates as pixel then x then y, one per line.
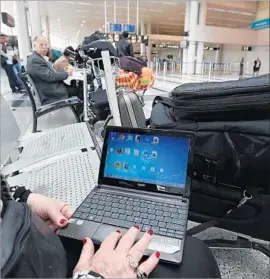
pixel 117 165
pixel 154 154
pixel 156 140
pixel 137 138
pixel 119 151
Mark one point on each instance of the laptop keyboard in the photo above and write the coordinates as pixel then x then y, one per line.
pixel 122 211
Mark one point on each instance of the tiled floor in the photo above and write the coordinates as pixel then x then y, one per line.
pixel 233 263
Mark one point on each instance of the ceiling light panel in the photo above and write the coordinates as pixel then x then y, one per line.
pixel 85 3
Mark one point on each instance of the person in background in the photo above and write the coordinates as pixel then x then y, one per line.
pixel 48 81
pixel 69 53
pixel 7 67
pixel 10 62
pixel 124 46
pixel 241 73
pixel 144 59
pixel 257 66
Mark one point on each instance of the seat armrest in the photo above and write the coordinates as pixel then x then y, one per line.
pixel 59 104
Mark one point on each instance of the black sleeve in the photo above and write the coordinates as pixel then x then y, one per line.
pixel 131 52
pixel 21 194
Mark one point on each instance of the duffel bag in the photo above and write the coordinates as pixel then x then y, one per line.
pixel 131 64
pixel 231 161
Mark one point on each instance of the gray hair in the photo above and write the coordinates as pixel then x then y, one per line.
pixel 38 38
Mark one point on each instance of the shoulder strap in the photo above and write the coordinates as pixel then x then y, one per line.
pixel 247 195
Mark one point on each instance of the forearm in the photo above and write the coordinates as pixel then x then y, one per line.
pixel 3 54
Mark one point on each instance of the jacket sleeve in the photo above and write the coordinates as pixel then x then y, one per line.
pixel 44 72
pixel 2 53
pixel 131 52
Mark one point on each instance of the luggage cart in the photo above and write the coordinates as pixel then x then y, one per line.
pixel 96 67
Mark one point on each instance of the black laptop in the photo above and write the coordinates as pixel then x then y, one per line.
pixel 143 180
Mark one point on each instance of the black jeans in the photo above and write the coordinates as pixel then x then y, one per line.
pixel 11 76
pixel 198 262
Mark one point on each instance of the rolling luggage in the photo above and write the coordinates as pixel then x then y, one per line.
pixel 232 150
pixel 131 110
pixel 98 101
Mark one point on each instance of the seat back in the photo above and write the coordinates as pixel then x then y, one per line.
pixel 31 91
pixel 10 131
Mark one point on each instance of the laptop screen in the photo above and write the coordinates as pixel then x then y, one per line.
pixel 145 158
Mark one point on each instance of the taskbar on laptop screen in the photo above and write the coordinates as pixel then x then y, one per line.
pixel 144 158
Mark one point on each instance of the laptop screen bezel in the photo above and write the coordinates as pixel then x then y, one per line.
pixel 102 180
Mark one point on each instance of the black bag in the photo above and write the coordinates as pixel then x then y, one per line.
pixel 99 46
pixel 99 104
pixel 246 99
pixel 29 249
pixel 131 64
pixel 233 144
pixel 231 155
pixel 93 37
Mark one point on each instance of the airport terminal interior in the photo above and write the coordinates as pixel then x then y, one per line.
pixel 178 42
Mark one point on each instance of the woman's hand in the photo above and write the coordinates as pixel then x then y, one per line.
pixel 112 260
pixel 55 213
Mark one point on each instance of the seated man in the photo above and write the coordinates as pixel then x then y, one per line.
pixel 48 81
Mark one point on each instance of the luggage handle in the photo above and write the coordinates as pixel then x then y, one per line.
pixel 204 226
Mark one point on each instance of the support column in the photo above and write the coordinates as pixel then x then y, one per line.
pixel 45 26
pixel 185 50
pixel 143 48
pixel 22 29
pixel 194 9
pixel 191 58
pixel 35 18
pixel 149 47
pixel 199 61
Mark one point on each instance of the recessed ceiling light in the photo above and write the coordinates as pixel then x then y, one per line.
pixel 83 21
pixel 85 3
pixel 58 19
pixel 82 25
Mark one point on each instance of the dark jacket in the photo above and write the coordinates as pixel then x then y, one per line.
pixel 48 81
pixel 124 48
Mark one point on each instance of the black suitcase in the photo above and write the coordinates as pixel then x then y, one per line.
pixel 131 110
pixel 98 102
pixel 231 156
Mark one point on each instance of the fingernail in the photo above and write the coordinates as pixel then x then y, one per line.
pixel 157 254
pixel 84 241
pixel 57 232
pixel 118 231
pixel 137 227
pixel 63 221
pixel 150 232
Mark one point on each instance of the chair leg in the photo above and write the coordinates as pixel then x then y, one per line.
pixel 34 130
